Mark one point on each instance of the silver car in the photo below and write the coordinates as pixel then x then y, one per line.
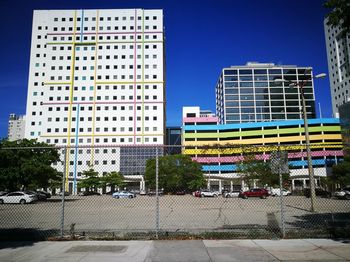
pixel 17 198
pixel 123 194
pixel 231 194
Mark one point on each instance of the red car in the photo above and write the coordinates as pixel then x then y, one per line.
pixel 254 192
pixel 197 193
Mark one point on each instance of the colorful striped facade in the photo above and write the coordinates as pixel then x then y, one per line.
pixel 220 147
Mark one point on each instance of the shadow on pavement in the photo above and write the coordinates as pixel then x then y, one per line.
pixel 26 234
pixel 299 208
pixel 337 225
pixel 15 244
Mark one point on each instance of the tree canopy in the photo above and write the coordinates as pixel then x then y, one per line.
pixel 341 172
pixel 339 14
pixel 112 180
pixel 176 172
pixel 27 164
pixel 254 169
pixel 91 180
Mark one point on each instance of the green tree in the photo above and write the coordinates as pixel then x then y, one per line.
pixel 27 164
pixel 341 172
pixel 254 169
pixel 112 179
pixel 339 14
pixel 91 180
pixel 175 172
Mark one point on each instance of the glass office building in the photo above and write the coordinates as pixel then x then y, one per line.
pixel 250 93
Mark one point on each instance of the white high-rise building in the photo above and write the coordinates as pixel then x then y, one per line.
pixel 97 78
pixel 338 55
pixel 249 93
pixel 16 127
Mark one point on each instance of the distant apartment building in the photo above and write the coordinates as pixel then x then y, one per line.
pixel 338 55
pixel 220 147
pixel 96 79
pixel 16 127
pixel 249 93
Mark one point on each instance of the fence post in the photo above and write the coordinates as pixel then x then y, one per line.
pixel 281 193
pixel 63 189
pixel 157 195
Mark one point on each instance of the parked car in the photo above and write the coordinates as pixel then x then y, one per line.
pixel 135 191
pixel 123 194
pixel 318 191
pixel 65 193
pixel 2 193
pixel 17 197
pixel 343 193
pixel 39 196
pixel 143 192
pixel 209 193
pixel 231 194
pixel 89 193
pixel 153 192
pixel 197 193
pixel 48 195
pixel 254 192
pixel 277 192
pixel 180 192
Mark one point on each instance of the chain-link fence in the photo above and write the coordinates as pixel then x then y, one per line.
pixel 233 192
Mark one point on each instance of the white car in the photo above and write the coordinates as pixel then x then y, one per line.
pixel 343 193
pixel 277 192
pixel 231 194
pixel 123 194
pixel 17 198
pixel 208 193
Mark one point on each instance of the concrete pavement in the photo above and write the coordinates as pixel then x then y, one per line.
pixel 176 213
pixel 177 250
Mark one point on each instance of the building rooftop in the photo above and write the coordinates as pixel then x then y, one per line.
pixel 262 65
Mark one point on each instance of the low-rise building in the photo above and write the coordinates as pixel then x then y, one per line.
pixel 221 147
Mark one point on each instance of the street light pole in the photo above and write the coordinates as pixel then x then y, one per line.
pixel 301 85
pixel 308 150
pixel 208 185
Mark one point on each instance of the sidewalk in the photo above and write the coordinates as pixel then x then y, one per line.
pixel 181 250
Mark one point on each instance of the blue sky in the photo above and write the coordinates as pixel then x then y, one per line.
pixel 202 37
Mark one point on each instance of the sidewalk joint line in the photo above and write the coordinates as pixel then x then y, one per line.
pixel 266 250
pixel 320 247
pixel 206 250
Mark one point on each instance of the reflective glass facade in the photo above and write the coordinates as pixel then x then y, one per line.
pixel 250 94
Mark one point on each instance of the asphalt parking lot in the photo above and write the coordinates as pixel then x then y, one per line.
pixel 176 213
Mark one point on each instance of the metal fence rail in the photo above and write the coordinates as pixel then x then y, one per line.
pixel 178 213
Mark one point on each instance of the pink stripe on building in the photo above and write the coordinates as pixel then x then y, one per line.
pixel 200 119
pixel 233 159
